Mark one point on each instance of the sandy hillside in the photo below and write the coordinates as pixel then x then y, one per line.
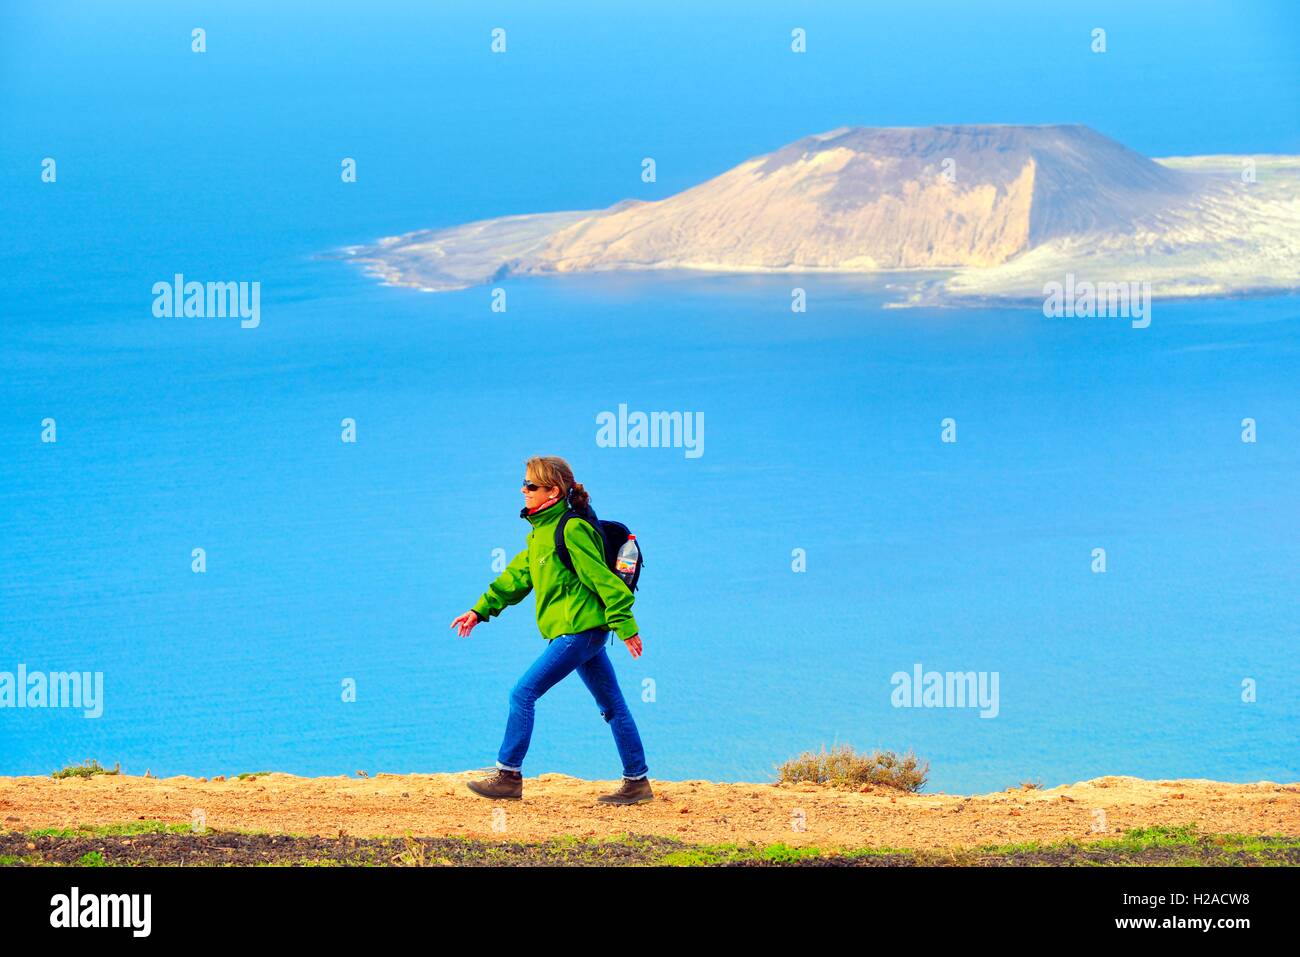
pixel 695 811
pixel 998 211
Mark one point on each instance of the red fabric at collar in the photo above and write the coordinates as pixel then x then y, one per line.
pixel 547 504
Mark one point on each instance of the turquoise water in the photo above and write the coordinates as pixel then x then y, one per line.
pixel 329 561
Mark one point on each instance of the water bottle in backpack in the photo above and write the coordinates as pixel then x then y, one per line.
pixel 629 558
pixel 626 562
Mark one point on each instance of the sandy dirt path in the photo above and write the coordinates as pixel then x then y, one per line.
pixel 694 811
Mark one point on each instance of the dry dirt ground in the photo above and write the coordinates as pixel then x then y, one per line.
pixel 698 812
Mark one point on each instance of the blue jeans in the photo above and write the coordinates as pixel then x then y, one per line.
pixel 584 651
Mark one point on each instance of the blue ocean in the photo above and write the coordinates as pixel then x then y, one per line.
pixel 824 538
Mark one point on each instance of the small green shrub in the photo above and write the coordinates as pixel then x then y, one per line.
pixel 88 768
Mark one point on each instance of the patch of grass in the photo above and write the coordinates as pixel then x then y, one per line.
pixel 1139 838
pixel 566 842
pixel 172 844
pixel 254 832
pixel 1195 846
pixel 413 855
pixel 88 768
pixel 783 854
pixel 843 767
pixel 1190 836
pixel 112 830
pixel 1132 844
pixel 702 856
pixel 713 855
pixel 877 852
pixel 1253 844
pixel 325 862
pixel 252 774
pixel 1021 847
pixel 647 844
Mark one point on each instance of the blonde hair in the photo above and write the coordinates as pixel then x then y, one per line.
pixel 551 471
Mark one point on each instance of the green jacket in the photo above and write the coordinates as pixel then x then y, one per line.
pixel 566 603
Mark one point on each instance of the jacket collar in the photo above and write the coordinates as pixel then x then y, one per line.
pixel 544 516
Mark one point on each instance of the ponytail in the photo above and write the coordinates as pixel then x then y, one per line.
pixel 579 497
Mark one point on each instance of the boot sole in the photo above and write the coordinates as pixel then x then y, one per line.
pixel 644 800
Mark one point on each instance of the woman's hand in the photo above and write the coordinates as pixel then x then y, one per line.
pixel 634 645
pixel 465 623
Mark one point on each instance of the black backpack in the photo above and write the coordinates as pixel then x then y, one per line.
pixel 612 534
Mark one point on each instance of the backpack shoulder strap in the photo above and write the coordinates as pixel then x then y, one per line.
pixel 561 547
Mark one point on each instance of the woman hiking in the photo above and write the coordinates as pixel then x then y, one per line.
pixel 575 613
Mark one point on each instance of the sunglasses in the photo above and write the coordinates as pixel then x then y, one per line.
pixel 530 486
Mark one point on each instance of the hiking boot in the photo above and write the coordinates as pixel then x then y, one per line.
pixel 632 791
pixel 501 784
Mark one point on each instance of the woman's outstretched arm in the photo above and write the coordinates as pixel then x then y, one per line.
pixel 510 588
